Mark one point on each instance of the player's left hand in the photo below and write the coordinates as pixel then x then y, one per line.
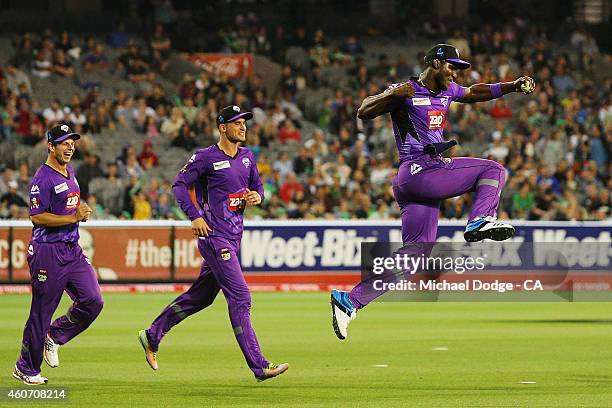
pixel 252 198
pixel 525 85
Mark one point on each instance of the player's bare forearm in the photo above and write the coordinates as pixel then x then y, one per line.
pixel 379 104
pixel 53 220
pixel 375 105
pixel 487 92
pixel 482 92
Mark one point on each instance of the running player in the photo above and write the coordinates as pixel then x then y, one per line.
pixel 226 180
pixel 56 260
pixel 418 112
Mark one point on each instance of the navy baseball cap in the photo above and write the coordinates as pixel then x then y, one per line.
pixel 231 113
pixel 446 52
pixel 60 133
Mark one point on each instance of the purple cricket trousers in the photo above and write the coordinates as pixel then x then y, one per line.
pixel 419 187
pixel 55 268
pixel 220 270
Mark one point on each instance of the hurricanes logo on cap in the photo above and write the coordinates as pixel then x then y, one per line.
pixel 236 108
pixel 440 52
pixel 221 120
pixel 65 128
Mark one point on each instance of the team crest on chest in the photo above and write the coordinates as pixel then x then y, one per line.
pixel 444 101
pixel 246 162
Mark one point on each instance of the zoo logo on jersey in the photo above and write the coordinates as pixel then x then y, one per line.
pixel 435 119
pixel 73 200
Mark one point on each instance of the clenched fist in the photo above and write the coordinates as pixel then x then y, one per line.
pixel 83 212
pixel 525 85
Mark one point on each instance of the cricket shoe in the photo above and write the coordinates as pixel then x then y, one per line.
pixel 29 379
pixel 487 228
pixel 343 312
pixel 150 355
pixel 50 354
pixel 272 371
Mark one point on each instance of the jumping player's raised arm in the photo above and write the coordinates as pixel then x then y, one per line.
pixel 384 102
pixel 487 92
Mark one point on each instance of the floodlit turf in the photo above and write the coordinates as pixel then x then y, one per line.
pixel 565 348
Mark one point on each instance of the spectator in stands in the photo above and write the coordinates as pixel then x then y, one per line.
pixel 16 77
pixel 138 71
pixel 25 118
pixel 289 132
pixel 303 164
pixel 160 45
pixel 23 180
pixel 319 49
pixel 42 66
pixel 523 202
pixel 131 167
pixel 61 65
pixel 147 157
pixel 54 113
pixel 65 43
pixel 87 171
pixel 186 138
pixel 76 116
pixel 12 197
pixel 351 46
pixel 157 97
pixel 150 127
pixel 172 126
pixel 290 187
pixel 88 79
pixel 25 52
pixel 142 207
pixel 501 110
pixel 283 165
pixel 35 135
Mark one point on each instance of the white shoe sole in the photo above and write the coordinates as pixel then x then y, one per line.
pixel 18 378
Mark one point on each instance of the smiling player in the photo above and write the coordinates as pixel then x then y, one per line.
pixel 418 110
pixel 226 180
pixel 56 260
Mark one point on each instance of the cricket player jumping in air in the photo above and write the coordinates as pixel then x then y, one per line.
pixel 226 180
pixel 56 261
pixel 418 112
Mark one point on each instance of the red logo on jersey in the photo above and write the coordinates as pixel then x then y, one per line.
pixel 73 200
pixel 236 202
pixel 436 119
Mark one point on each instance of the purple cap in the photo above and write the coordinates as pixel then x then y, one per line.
pixel 231 113
pixel 60 133
pixel 446 52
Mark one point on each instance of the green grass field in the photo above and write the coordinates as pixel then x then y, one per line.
pixel 565 348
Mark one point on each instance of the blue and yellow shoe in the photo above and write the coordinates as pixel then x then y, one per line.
pixel 343 312
pixel 487 228
pixel 272 371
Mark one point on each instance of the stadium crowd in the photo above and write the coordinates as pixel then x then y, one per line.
pixel 555 143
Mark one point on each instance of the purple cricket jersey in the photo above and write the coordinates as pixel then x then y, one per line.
pixel 419 121
pixel 52 192
pixel 220 182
